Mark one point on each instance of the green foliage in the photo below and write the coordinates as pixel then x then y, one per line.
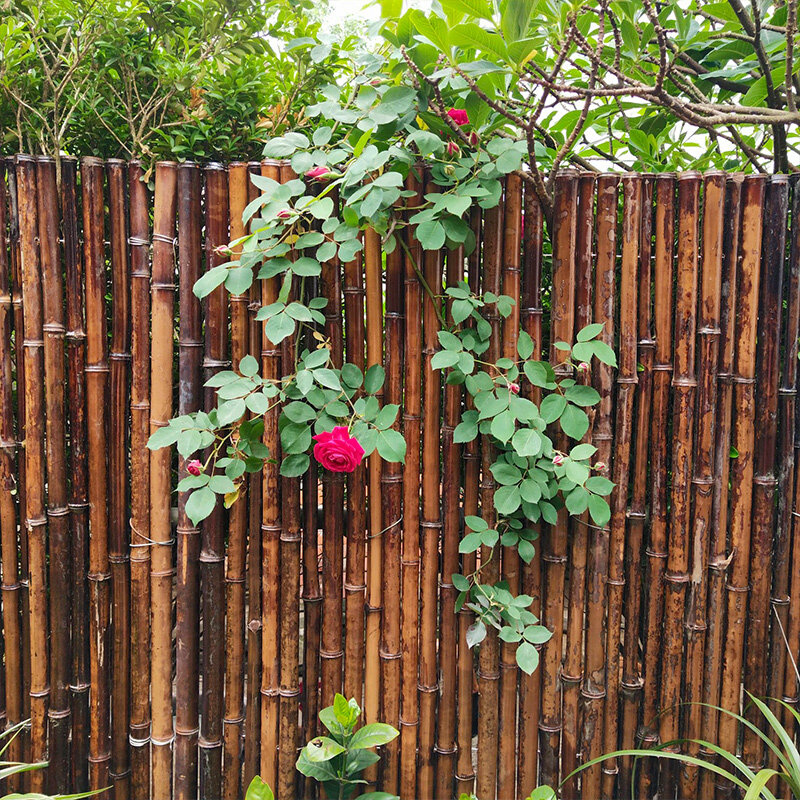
pixel 337 760
pixel 258 790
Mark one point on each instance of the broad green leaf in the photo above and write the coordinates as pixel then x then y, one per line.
pixel 574 422
pixel 373 735
pixel 200 504
pixel 258 790
pixel 527 658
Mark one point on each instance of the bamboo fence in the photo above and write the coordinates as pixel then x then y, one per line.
pixel 163 659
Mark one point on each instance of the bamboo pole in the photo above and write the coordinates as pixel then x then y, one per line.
pixel 119 556
pixel 190 353
pixel 631 683
pixel 392 512
pixel 554 544
pixel 8 512
pixel 252 722
pixel 139 241
pixel 78 501
pixel 765 480
pixel 593 689
pixel 270 544
pixel 572 672
pixel 235 566
pixel 531 321
pixel 96 408
pixel 489 653
pixel 57 512
pixel 718 549
pixel 623 430
pixel 290 548
pixel 412 418
pixel 703 473
pixel 212 537
pixel 741 471
pixel 161 569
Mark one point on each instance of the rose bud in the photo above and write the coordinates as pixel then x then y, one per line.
pixel 318 172
pixel 194 467
pixel 284 213
pixel 222 250
pixel 583 367
pixel 600 466
pixel 337 450
pixel 558 460
pixel 449 170
pixel 459 116
pixel 513 388
pixel 453 149
pixel 375 82
pixel 474 139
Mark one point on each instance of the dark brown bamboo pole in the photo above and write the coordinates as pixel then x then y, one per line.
pixel 190 354
pixel 446 747
pixel 489 653
pixel 431 524
pixel 78 502
pixel 119 556
pixel 572 673
pixel 626 381
pixel 708 320
pixel 9 557
pixel 554 540
pixel 742 468
pixel 510 565
pixel 96 418
pixel 161 569
pixel 57 512
pixel 631 683
pixel 593 690
pixel 235 566
pixel 764 479
pixel 139 242
pixel 290 547
pixel 212 538
pixel 374 599
pixel 718 549
pixel 252 722
pixel 531 321
pixel 270 546
pixel 392 512
pixel 412 420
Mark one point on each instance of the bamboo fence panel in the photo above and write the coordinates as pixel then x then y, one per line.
pixel 165 659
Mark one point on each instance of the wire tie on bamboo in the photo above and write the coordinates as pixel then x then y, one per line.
pixel 215 362
pixel 162 742
pixel 397 522
pixel 62 511
pixel 135 241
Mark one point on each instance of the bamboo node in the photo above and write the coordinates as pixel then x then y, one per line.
pixel 62 511
pixel 119 356
pixel 637 515
pixel 54 327
pixel 33 344
pixel 37 522
pixel 677 577
pixel 98 368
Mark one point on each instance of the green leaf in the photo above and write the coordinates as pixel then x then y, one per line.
pixel 585 396
pixel 444 359
pixel 469 544
pixel 374 378
pixel 211 280
pixel 230 411
pixel 327 378
pixel 431 235
pixel 221 484
pixel 258 790
pixel 351 376
pixel 373 735
pixel 507 499
pixel 248 366
pixel 299 412
pixel 476 523
pixel 323 748
pixel 582 451
pixel 574 422
pixel 552 407
pixel 524 345
pixel 503 426
pixel 577 501
pixel 599 510
pixel 279 327
pixel 527 658
pixel 200 504
pixel 295 465
pixel 163 437
pixel 599 485
pixel 465 432
pixel 476 633
pixel 391 445
pixel 604 353
pixel 527 442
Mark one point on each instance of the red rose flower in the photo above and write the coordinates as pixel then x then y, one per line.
pixel 337 450
pixel 459 116
pixel 317 172
pixel 194 467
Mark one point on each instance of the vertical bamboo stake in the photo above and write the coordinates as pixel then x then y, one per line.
pixel 412 417
pixel 572 673
pixel 531 321
pixel 117 467
pixel 161 570
pixel 96 408
pixel 212 540
pixel 764 479
pixel 431 525
pixel 489 653
pixel 741 471
pixel 554 545
pixel 290 547
pixel 631 683
pixel 57 511
pixel 703 474
pixel 78 502
pixel 392 512
pixel 139 241
pixel 507 722
pixel 718 549
pixel 8 513
pixel 190 353
pixel 623 430
pixel 593 690
pixel 270 546
pixel 235 567
pixel 252 723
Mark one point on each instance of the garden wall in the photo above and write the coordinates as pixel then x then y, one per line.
pixel 148 653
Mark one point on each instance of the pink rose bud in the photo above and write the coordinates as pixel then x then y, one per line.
pixel 337 450
pixel 284 213
pixel 375 82
pixel 513 388
pixel 317 172
pixel 558 459
pixel 583 367
pixel 459 116
pixel 194 467
pixel 453 149
pixel 474 139
pixel 222 250
pixel 601 466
